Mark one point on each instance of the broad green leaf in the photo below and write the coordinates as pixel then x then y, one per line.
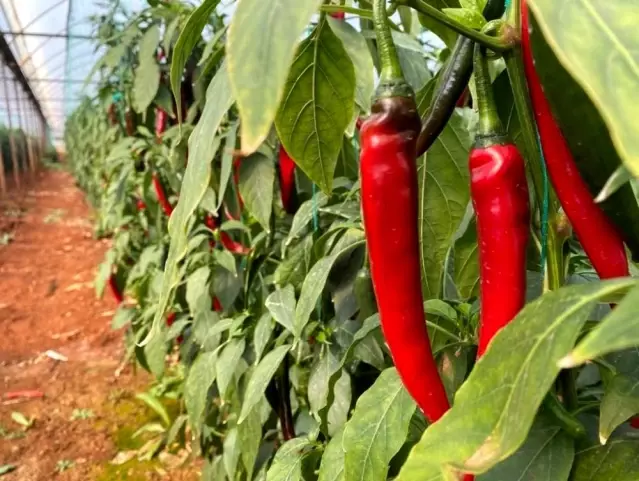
pixel 197 290
pixel 618 461
pixel 617 331
pixel 123 316
pixel 250 437
pixel 186 42
pixel 155 352
pixel 467 262
pixel 257 177
pixel 147 75
pixel 599 47
pixel 378 428
pixel 495 408
pixel 339 409
pixel 262 40
pixel 620 402
pixel 262 335
pixel 355 45
pixel 7 468
pixel 470 18
pixel 304 215
pixel 294 267
pixel 313 286
pixel 227 162
pixel 318 380
pixel 547 455
pixel 260 377
pixel 317 105
pixel 227 361
pixel 225 259
pixel 203 145
pixel 332 466
pixel 281 305
pixel 444 194
pixel 196 388
pixel 231 451
pixel 169 34
pixel 287 465
pixel 443 32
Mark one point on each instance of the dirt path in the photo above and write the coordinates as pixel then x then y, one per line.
pixel 48 259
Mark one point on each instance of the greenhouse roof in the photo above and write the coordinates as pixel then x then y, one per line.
pixel 52 43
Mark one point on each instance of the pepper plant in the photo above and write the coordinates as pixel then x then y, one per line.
pixel 335 289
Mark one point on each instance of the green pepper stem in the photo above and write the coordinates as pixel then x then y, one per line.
pixel 568 422
pixel 391 70
pixel 489 122
pixel 492 43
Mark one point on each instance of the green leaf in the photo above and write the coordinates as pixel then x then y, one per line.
pixel 196 388
pixel 313 287
pixel 304 215
pixel 617 331
pixel 467 262
pixel 250 437
pixel 295 266
pixel 287 465
pixel 619 460
pixel 227 162
pixel 155 404
pixel 339 410
pixel 620 402
pixel 203 145
pixel 225 259
pixel 155 352
pixel 444 194
pixel 318 380
pixel 260 377
pixel 317 105
pixel 599 49
pixel 281 305
pixel 262 335
pixel 231 452
pixel 123 316
pixel 7 468
pixel 147 75
pixel 261 45
pixel 357 49
pixel 378 428
pixel 257 178
pixel 470 18
pixel 495 408
pixel 618 179
pixel 227 363
pixel 186 42
pixel 547 455
pixel 332 466
pixel 443 32
pixel 197 290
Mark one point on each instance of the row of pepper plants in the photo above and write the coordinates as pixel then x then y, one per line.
pixel 383 240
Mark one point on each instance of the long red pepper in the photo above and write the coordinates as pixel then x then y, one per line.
pixel 390 211
pixel 287 181
pixel 161 195
pixel 228 243
pixel 161 118
pixel 499 191
pixel 115 289
pixel 596 233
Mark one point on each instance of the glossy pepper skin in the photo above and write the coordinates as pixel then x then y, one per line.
pixel 161 120
pixel 228 243
pixel 598 236
pixel 286 173
pixel 499 192
pixel 452 84
pixel 365 294
pixel 500 197
pixel 161 195
pixel 388 176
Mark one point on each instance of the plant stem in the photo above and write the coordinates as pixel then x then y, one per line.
pixel 568 422
pixel 489 122
pixel 391 70
pixel 487 41
pixel 286 414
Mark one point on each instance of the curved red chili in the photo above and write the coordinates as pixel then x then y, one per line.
pixel 161 118
pixel 598 236
pixel 287 181
pixel 389 191
pixel 115 289
pixel 161 195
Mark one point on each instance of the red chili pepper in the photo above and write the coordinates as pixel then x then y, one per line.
pixel 115 289
pixel 140 205
pixel 463 98
pixel 113 116
pixel 338 15
pixel 161 118
pixel 217 305
pixel 390 204
pixel 161 195
pixel 287 181
pixel 228 243
pixel 499 192
pixel 170 319
pixel 129 122
pixel 598 236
